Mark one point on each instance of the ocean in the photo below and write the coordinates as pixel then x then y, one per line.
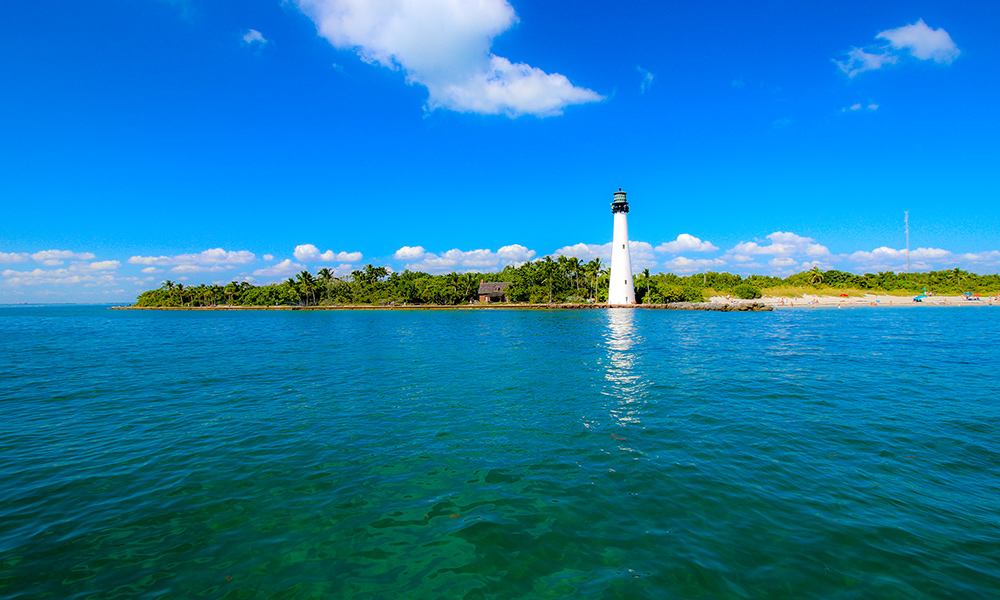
pixel 811 453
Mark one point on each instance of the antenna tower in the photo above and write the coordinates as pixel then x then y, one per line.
pixel 906 226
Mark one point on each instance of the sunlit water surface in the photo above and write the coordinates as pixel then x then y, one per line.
pixel 499 454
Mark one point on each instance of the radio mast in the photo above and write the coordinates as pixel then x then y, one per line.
pixel 906 226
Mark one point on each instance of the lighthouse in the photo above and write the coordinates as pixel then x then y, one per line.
pixel 620 288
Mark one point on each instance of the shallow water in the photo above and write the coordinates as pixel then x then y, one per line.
pixel 499 454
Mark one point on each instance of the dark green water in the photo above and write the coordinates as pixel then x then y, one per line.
pixel 499 454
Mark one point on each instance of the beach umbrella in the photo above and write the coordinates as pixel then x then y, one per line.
pixel 967 294
pixel 843 295
pixel 920 297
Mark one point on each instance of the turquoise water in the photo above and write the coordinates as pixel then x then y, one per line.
pixel 499 454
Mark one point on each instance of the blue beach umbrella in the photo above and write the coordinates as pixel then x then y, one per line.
pixel 967 294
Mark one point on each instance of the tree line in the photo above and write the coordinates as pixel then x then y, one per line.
pixel 549 280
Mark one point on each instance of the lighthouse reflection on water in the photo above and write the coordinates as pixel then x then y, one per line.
pixel 626 382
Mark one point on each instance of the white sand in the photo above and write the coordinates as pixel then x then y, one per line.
pixel 866 301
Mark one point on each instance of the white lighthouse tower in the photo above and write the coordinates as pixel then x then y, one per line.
pixel 620 288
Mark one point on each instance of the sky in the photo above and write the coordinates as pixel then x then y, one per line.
pixel 210 141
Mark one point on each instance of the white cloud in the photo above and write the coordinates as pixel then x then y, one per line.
pixel 200 268
pixel 783 262
pixel 409 253
pixel 858 106
pixel 285 267
pixel 103 265
pixel 515 254
pixel 783 243
pixel 859 61
pixel 13 257
pixel 640 253
pixel 88 274
pixel 152 270
pixel 923 42
pixel 685 242
pixel 444 45
pixel 268 257
pixel 647 79
pixel 917 39
pixel 253 36
pixel 190 263
pixel 886 254
pixel 52 258
pixel 463 260
pixel 310 253
pixel 990 257
pixel 682 264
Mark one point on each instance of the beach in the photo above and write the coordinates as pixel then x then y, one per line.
pixel 865 301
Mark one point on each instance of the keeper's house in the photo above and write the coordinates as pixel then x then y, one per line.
pixel 493 291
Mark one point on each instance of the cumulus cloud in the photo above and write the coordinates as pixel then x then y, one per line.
pixel 102 265
pixel 310 253
pixel 268 257
pixel 685 242
pixel 88 274
pixel 886 258
pixel 682 264
pixel 208 261
pixel 281 269
pixel 252 36
pixel 463 260
pixel 444 46
pixel 918 40
pixel 923 42
pixel 13 257
pixel 641 253
pixel 989 257
pixel 52 258
pixel 515 254
pixel 409 253
pixel 783 243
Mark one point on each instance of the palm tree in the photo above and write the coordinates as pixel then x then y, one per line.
pixel 574 264
pixel 325 277
pixel 595 265
pixel 307 283
pixel 957 276
pixel 645 274
pixel 180 292
pixel 815 276
pixel 294 286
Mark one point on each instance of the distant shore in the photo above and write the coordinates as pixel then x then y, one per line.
pixel 865 301
pixel 740 306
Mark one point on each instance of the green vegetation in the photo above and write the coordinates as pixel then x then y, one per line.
pixel 553 280
pixel 746 291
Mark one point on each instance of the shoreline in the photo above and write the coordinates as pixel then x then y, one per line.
pixel 740 306
pixel 866 301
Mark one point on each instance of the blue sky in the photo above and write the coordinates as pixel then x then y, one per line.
pixel 143 140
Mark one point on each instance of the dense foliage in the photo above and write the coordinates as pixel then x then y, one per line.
pixel 562 279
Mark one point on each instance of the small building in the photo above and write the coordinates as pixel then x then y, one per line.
pixel 493 291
